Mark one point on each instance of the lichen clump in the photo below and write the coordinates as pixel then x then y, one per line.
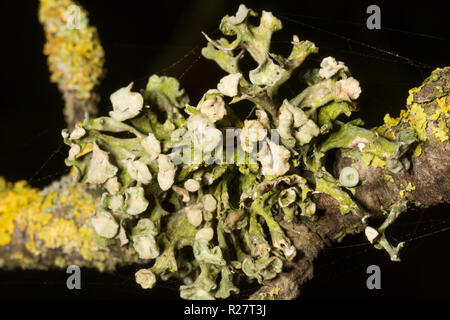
pixel 201 208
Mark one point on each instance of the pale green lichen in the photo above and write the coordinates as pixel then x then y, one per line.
pixel 377 236
pixel 216 223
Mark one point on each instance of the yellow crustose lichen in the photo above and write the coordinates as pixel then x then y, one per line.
pixel 29 209
pixel 75 55
pixel 441 115
pixel 13 199
pixel 409 187
pixel 418 120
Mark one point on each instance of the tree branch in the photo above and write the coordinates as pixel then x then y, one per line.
pixel 428 175
pixel 51 226
pixel 50 229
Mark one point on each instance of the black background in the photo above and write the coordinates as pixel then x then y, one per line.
pixel 141 38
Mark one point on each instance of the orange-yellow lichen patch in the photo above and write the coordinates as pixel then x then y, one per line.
pixel 415 115
pixel 75 56
pixel 392 122
pixel 409 187
pixel 373 160
pixel 33 211
pixel 14 198
pixel 443 108
pixel 444 104
pixel 386 130
pixel 418 150
pixel 441 131
pixel 64 234
pixel 418 120
pixel 440 115
pixel 48 201
pixel 82 203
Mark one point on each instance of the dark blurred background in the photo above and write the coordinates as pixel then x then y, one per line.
pixel 141 38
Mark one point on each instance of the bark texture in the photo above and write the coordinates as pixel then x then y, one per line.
pixel 75 109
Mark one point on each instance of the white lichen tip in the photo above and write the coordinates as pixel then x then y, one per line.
pixel 77 133
pixel 209 177
pixel 126 104
pixel 349 177
pixel 122 236
pixel 138 171
pixel 182 192
pixel 267 73
pixel 361 146
pixel 192 185
pixel 206 137
pixel 209 202
pixel 194 216
pixel 146 278
pixel 262 117
pixel 229 84
pixel 135 201
pixel 371 234
pixel 65 133
pixel 240 16
pixel 293 117
pixel 289 251
pixel 100 169
pixel 116 203
pixel 274 159
pixel 300 118
pixel 306 132
pixel 74 150
pixel 213 108
pixel 166 173
pixel 112 185
pixel 152 146
pixel 197 122
pixel 205 234
pixel 145 246
pixel 329 67
pixel 252 132
pixel 348 89
pixel 285 121
pixel 104 224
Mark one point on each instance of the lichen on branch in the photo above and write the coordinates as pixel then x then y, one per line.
pixel 181 196
pixel 75 56
pixel 49 228
pixel 224 211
